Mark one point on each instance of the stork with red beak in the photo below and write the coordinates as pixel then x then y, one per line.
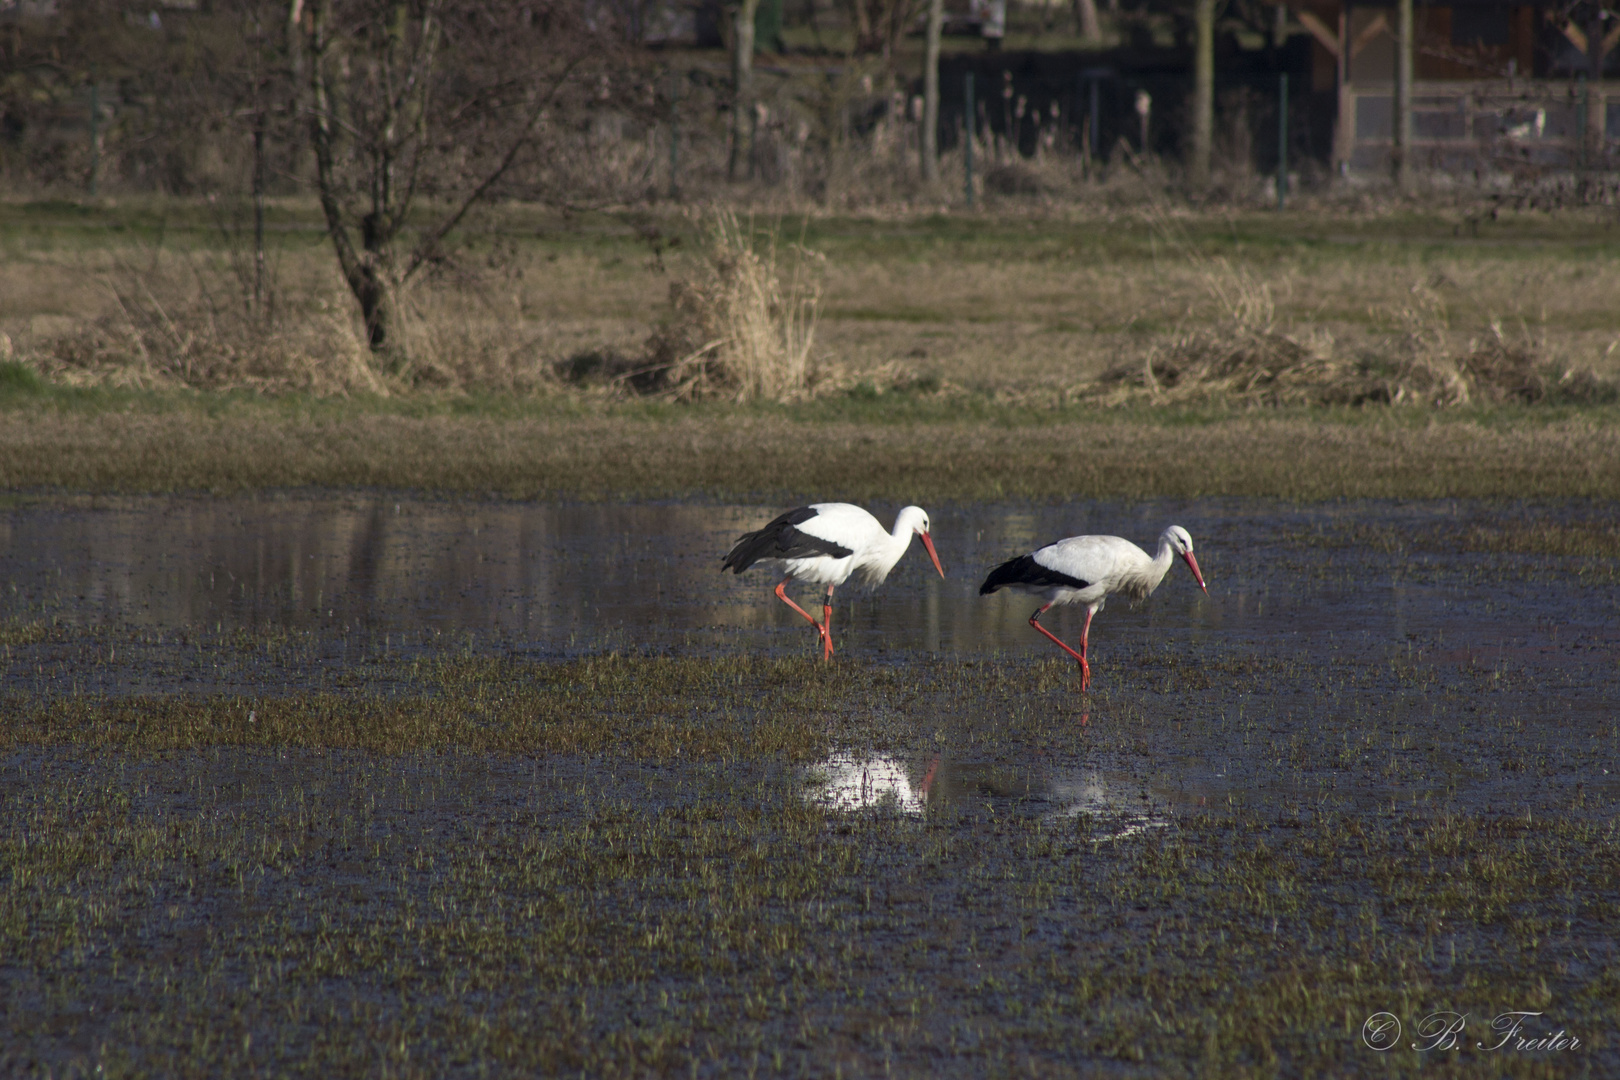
pixel 823 544
pixel 1087 570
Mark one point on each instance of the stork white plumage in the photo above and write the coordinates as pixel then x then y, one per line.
pixel 824 544
pixel 1087 570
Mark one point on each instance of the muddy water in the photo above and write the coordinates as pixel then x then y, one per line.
pixel 564 579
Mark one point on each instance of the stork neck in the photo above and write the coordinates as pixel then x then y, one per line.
pixel 905 523
pixel 1162 561
pixel 899 541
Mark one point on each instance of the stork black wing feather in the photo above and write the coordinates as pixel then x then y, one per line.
pixel 781 540
pixel 1024 570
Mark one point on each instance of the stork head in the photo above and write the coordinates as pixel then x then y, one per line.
pixel 1180 542
pixel 916 518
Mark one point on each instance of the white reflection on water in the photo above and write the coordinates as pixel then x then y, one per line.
pixel 1124 807
pixel 1119 807
pixel 846 782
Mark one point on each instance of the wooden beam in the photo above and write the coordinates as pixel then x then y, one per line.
pixel 1344 124
pixel 1404 50
pixel 1575 34
pixel 1319 30
pixel 1368 32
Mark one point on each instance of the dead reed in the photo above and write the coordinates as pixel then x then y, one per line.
pixel 1244 358
pixel 741 325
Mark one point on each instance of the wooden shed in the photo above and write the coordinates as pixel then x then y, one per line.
pixel 1496 86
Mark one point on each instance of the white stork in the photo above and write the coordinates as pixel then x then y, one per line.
pixel 826 542
pixel 1086 570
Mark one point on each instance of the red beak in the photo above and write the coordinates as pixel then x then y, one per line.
pixel 1192 564
pixel 932 554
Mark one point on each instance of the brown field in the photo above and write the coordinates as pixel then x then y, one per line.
pixel 1031 299
pixel 953 357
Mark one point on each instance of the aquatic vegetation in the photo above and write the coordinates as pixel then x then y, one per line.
pixel 266 830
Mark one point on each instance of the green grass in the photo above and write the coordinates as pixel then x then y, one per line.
pixel 860 446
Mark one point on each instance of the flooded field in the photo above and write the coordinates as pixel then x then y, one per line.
pixel 378 785
pixel 1482 583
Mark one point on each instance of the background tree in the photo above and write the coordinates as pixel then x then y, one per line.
pixel 743 13
pixel 930 122
pixel 878 25
pixel 418 111
pixel 1085 17
pixel 1203 99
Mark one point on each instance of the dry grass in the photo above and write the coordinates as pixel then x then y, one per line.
pixel 1021 304
pixel 741 326
pixel 1241 363
pixel 152 318
pixel 1243 357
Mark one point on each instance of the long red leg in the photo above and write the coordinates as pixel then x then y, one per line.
pixel 781 594
pixel 1085 649
pixel 826 625
pixel 1085 668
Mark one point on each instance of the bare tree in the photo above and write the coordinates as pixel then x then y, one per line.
pixel 419 110
pixel 1203 104
pixel 742 87
pixel 930 132
pixel 1085 13
pixel 879 24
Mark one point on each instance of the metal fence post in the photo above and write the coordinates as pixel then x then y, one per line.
pixel 674 134
pixel 95 133
pixel 1282 140
pixel 967 134
pixel 1096 119
pixel 1583 103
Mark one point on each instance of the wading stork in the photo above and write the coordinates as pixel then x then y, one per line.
pixel 1087 570
pixel 823 544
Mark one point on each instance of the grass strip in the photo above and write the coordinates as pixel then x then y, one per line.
pixel 778 454
pixel 649 708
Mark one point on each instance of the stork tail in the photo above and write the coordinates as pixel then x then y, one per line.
pixel 1025 571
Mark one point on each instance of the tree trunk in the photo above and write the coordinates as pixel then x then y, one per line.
pixel 377 291
pixel 1203 120
pixel 371 272
pixel 930 118
pixel 1594 98
pixel 742 85
pixel 862 20
pixel 1085 12
pixel 1403 94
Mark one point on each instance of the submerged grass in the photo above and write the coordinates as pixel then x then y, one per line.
pixel 608 866
pixel 654 708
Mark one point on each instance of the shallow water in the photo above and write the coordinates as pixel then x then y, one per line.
pixel 566 579
pixel 1355 685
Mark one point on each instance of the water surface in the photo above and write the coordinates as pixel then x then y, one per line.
pixel 563 579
